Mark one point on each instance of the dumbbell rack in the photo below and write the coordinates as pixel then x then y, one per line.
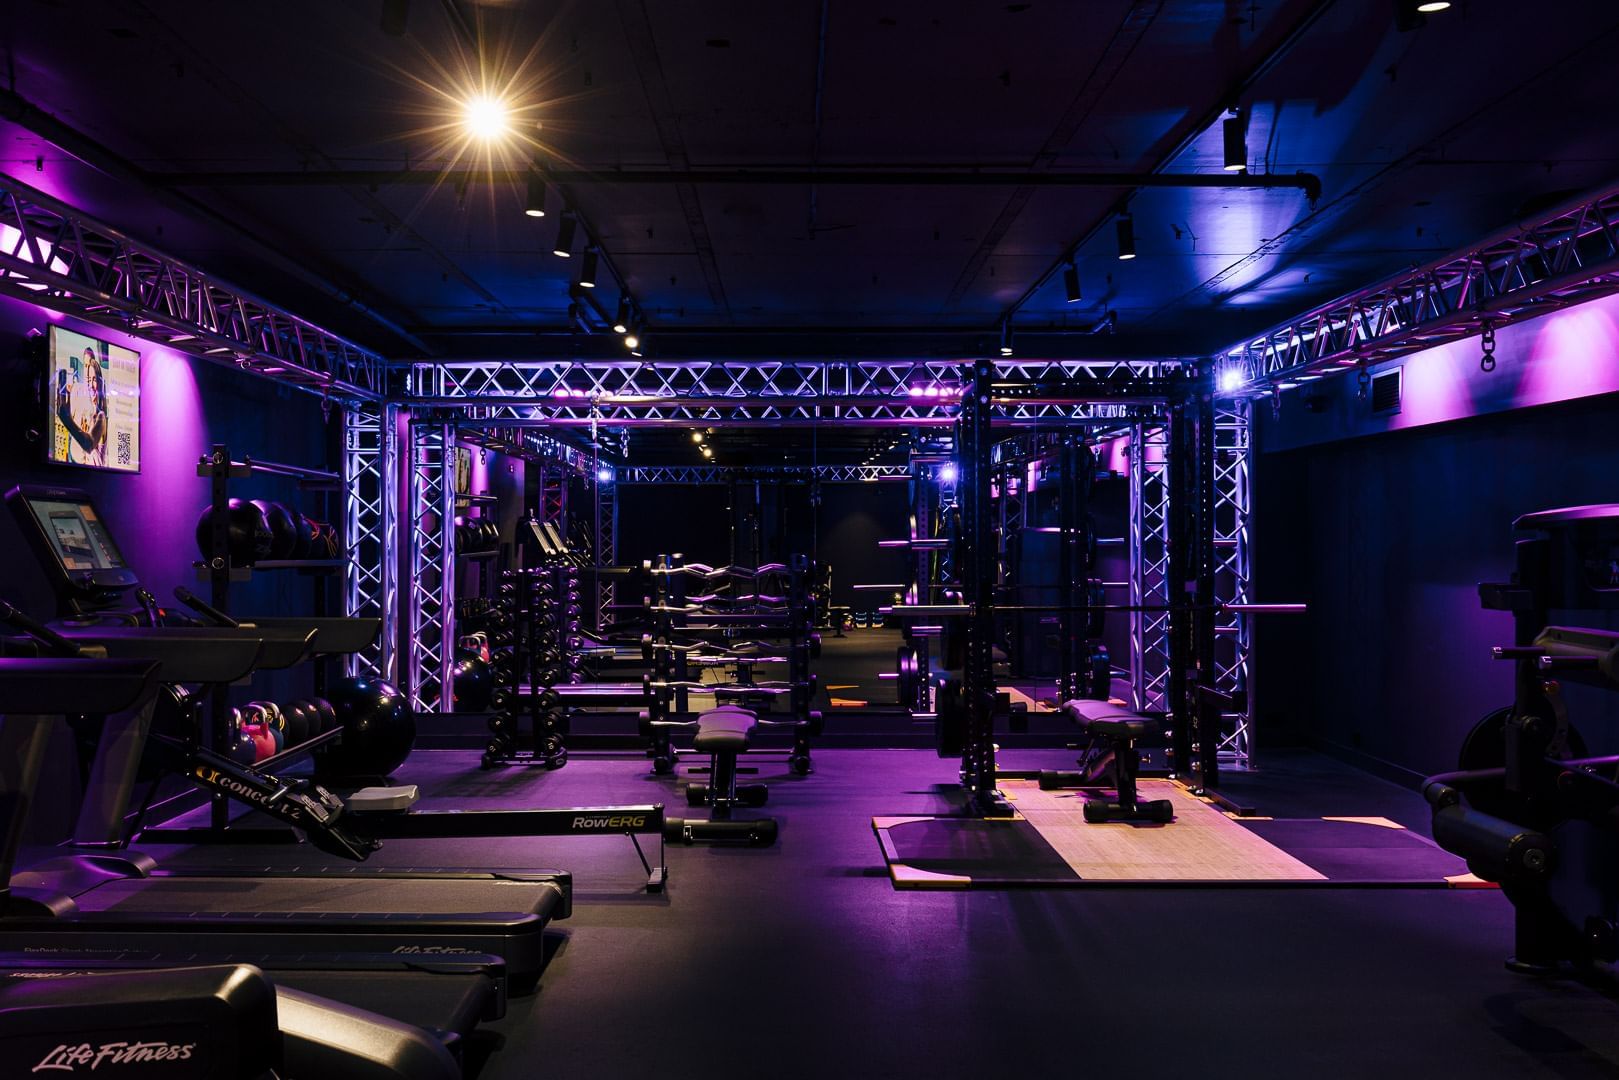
pixel 543 605
pixel 219 470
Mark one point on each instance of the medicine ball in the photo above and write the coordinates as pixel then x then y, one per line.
pixel 473 682
pixel 379 730
pixel 303 545
pixel 284 531
pixel 247 534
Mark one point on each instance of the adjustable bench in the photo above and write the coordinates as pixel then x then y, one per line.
pixel 724 733
pixel 1111 760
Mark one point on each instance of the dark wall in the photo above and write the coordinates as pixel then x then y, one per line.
pixel 694 520
pixel 854 517
pixel 1387 537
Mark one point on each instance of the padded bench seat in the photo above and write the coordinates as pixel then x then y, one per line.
pixel 1106 720
pixel 724 730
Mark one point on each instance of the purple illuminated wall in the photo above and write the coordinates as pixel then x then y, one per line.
pixel 186 405
pixel 1388 533
pixel 1567 355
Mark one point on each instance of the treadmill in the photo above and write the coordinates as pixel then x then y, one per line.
pixel 91 902
pixel 400 1017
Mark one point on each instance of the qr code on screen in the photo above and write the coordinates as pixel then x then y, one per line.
pixel 124 451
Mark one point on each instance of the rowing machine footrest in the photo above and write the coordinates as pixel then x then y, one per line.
pixel 759 832
pixel 384 800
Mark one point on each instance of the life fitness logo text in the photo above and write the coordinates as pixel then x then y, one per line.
pixel 69 1058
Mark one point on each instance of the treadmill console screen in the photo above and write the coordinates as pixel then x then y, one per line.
pixel 74 546
pixel 78 537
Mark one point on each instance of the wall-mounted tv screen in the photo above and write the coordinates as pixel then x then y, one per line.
pixel 93 394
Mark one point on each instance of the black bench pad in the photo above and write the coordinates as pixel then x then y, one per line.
pixel 1107 720
pixel 724 730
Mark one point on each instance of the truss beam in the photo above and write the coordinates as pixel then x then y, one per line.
pixel 1564 257
pixel 725 474
pixel 904 392
pixel 54 256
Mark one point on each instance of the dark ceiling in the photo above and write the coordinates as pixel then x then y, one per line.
pixel 1424 139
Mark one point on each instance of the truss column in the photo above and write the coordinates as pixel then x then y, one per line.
pixel 1149 565
pixel 429 643
pixel 371 526
pixel 605 546
pixel 1233 494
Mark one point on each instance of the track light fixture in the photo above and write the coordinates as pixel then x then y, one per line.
pixel 564 244
pixel 535 204
pixel 1126 229
pixel 1235 132
pixel 632 340
pixel 1070 282
pixel 621 321
pixel 1006 337
pixel 697 436
pixel 1412 14
pixel 708 451
pixel 587 269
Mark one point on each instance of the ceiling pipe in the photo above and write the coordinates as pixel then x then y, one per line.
pixel 1308 183
pixel 20 111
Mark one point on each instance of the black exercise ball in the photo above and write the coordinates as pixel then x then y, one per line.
pixel 379 730
pixel 303 540
pixel 247 534
pixel 283 530
pixel 473 681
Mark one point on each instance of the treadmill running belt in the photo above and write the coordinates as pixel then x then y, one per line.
pixel 350 896
pixel 439 1003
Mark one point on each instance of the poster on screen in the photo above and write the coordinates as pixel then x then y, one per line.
pixel 93 395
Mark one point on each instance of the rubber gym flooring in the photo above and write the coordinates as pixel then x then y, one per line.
pixel 804 961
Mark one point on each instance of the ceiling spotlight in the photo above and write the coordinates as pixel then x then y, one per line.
pixel 621 321
pixel 485 118
pixel 632 340
pixel 535 205
pixel 604 475
pixel 697 436
pixel 1006 337
pixel 1126 229
pixel 947 473
pixel 1070 281
pixel 708 451
pixel 1235 131
pixel 1232 379
pixel 587 269
pixel 1428 7
pixel 564 244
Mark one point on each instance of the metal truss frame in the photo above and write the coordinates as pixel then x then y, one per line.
pixel 371 520
pixel 562 393
pixel 1233 578
pixel 724 474
pixel 1564 257
pixel 54 256
pixel 605 549
pixel 429 644
pixel 1149 566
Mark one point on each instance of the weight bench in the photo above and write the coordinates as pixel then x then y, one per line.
pixel 1111 760
pixel 723 734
